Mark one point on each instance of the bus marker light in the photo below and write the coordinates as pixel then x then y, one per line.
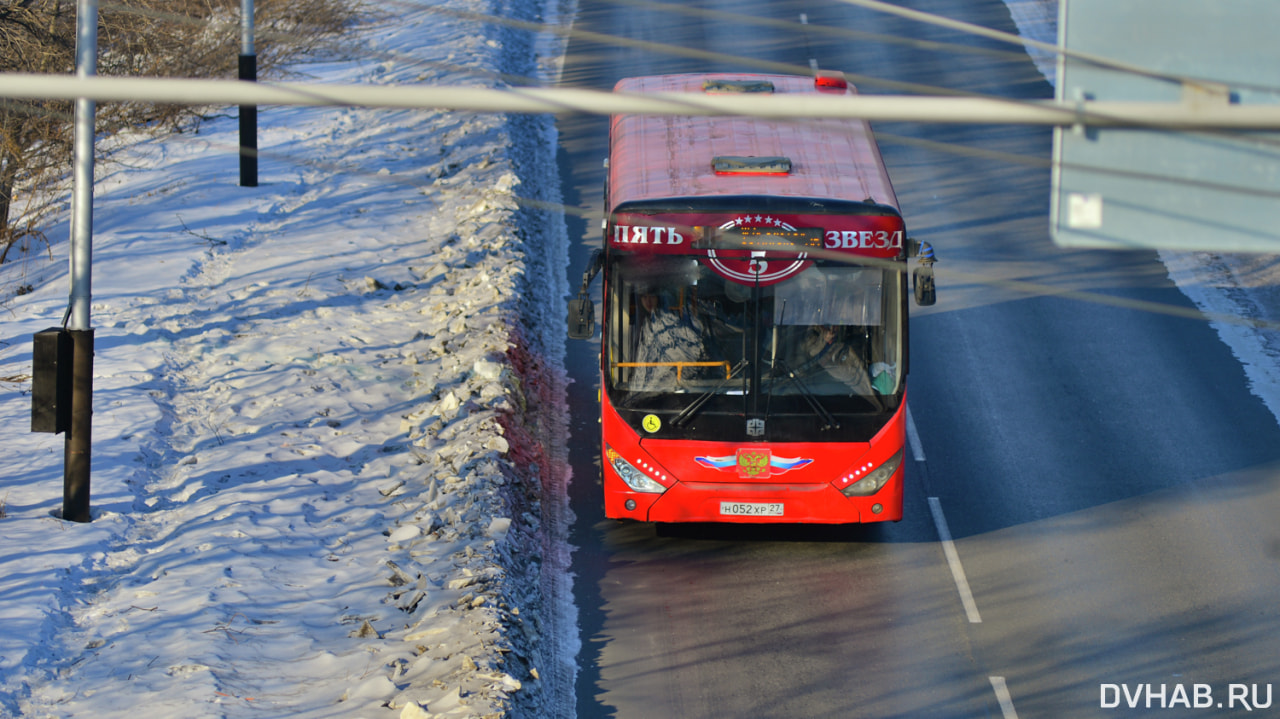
pixel 632 477
pixel 830 81
pixel 875 479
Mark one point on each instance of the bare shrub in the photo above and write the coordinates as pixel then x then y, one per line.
pixel 163 38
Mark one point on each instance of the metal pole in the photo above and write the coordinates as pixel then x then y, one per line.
pixel 248 113
pixel 82 162
pixel 875 108
pixel 75 485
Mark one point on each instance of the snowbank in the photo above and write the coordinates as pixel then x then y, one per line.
pixel 325 476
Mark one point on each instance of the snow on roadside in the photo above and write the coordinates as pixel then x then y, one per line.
pixel 1037 20
pixel 1244 286
pixel 326 409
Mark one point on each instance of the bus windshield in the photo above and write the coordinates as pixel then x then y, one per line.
pixel 831 333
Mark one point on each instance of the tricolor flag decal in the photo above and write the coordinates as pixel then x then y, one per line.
pixel 753 463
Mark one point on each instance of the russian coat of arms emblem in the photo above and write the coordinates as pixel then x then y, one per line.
pixel 753 463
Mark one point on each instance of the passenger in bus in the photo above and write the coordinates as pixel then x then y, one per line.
pixel 825 349
pixel 669 334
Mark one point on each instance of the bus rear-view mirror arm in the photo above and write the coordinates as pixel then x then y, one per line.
pixel 582 313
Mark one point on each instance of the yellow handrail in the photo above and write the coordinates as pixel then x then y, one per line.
pixel 678 365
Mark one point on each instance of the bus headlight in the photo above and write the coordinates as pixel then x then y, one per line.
pixel 635 479
pixel 873 481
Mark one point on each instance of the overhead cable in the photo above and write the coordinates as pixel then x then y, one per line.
pixel 949 110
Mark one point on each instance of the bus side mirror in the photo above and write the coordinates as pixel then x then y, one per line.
pixel 582 319
pixel 926 293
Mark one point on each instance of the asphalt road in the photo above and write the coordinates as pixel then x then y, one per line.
pixel 1110 483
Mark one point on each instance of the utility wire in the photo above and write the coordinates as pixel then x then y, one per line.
pixel 998 35
pixel 771 66
pixel 596 37
pixel 1117 114
pixel 1085 113
pixel 944 272
pixel 1053 49
pixel 320 91
pixel 826 31
pixel 1046 163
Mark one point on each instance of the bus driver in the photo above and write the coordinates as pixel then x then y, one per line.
pixel 824 349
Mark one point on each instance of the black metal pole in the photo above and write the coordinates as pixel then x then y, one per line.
pixel 79 440
pixel 249 127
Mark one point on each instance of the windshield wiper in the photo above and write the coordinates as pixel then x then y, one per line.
pixel 808 395
pixel 687 413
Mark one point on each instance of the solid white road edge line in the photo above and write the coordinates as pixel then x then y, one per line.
pixel 1002 695
pixel 953 560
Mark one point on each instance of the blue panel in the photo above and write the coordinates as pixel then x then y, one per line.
pixel 1133 188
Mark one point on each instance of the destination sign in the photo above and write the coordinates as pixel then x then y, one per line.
pixel 770 238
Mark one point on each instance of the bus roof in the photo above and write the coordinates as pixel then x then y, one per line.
pixel 656 157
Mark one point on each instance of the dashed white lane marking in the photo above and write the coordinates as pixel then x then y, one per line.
pixel 917 449
pixel 1002 695
pixel 813 63
pixel 953 560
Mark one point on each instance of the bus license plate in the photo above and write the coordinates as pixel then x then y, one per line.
pixel 751 509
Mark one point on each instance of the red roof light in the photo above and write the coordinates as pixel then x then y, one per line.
pixel 828 80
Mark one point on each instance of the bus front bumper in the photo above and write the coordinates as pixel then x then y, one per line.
pixel 754 503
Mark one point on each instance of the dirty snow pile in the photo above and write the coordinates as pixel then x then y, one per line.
pixel 325 480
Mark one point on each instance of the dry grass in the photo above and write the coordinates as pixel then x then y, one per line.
pixel 166 38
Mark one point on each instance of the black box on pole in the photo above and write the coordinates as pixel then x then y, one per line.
pixel 51 381
pixel 249 127
pixel 78 447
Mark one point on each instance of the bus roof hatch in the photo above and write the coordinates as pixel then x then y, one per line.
pixel 735 165
pixel 732 86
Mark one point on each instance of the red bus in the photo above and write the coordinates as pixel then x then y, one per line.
pixel 754 318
